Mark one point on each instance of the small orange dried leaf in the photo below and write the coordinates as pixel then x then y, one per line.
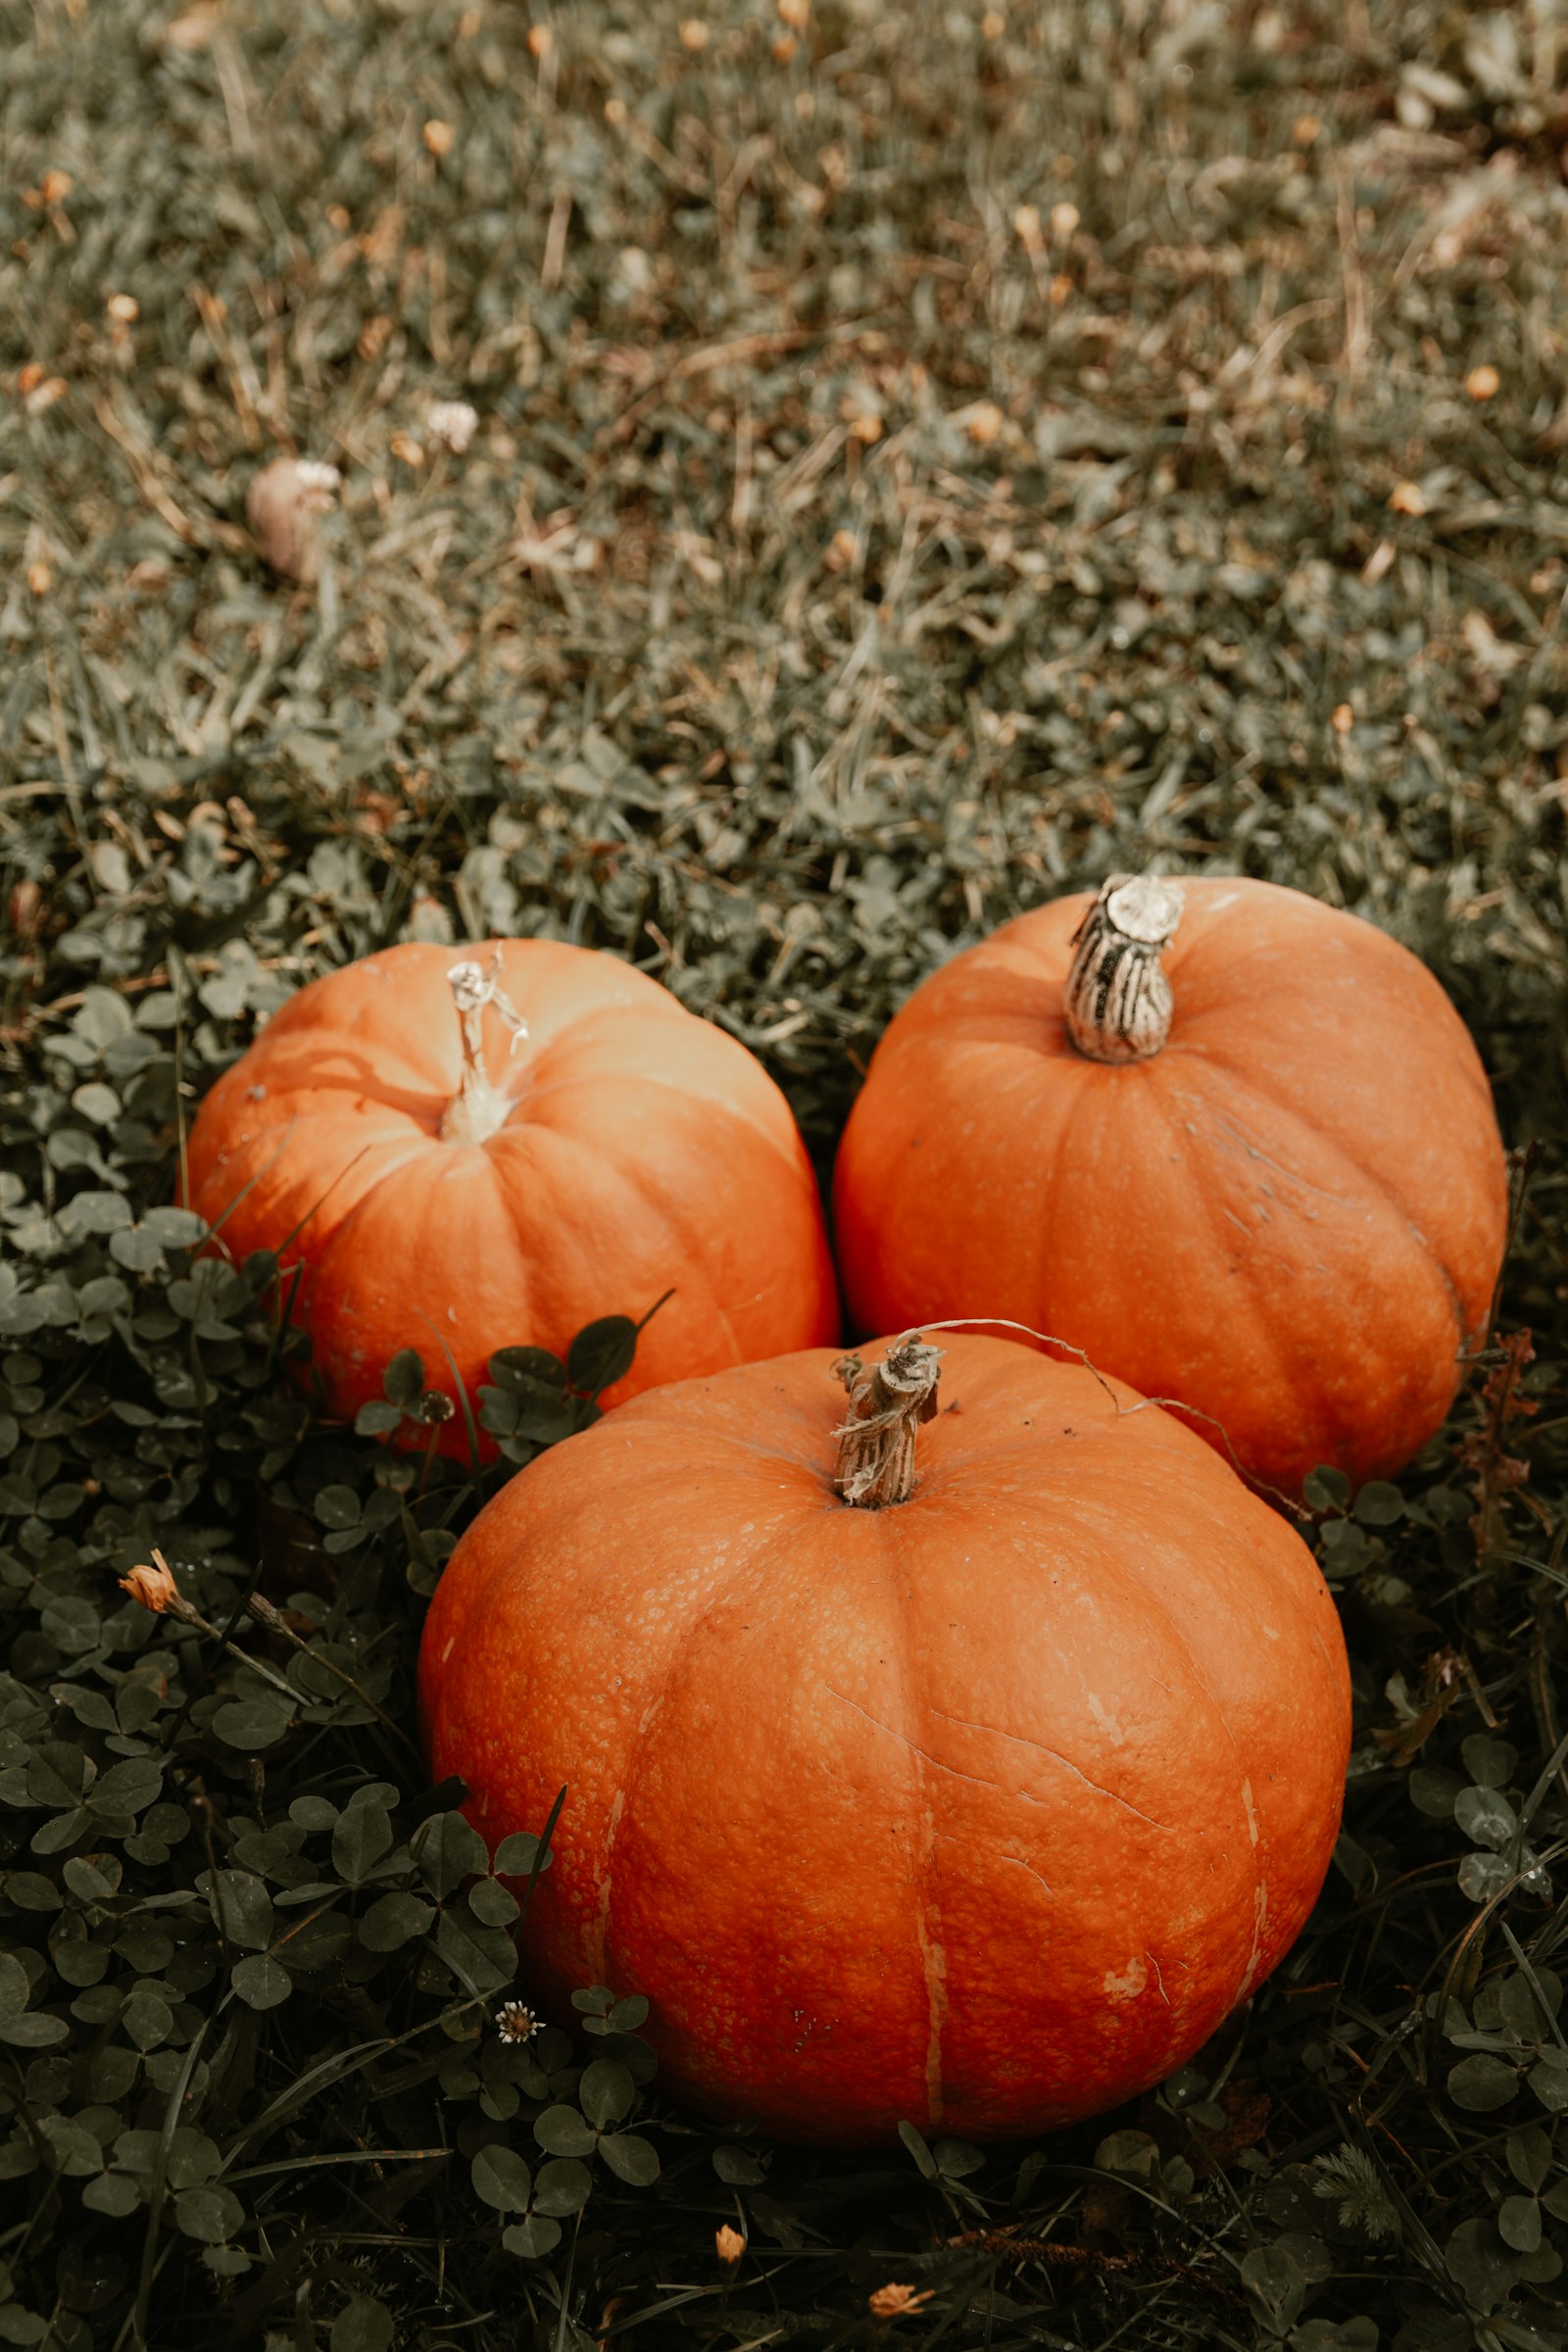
pixel 896 2302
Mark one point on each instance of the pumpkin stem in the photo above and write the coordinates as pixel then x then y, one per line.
pixel 887 1404
pixel 478 1110
pixel 1118 1000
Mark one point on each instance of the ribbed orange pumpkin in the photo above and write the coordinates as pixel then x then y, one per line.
pixel 467 1149
pixel 1288 1212
pixel 980 1808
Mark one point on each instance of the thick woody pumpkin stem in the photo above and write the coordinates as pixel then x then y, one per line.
pixel 887 1404
pixel 1118 1000
pixel 478 1110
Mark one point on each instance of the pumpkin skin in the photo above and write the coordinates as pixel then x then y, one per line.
pixel 1290 1220
pixel 982 1809
pixel 643 1150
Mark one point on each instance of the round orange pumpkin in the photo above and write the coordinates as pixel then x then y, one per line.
pixel 1252 1167
pixel 974 1791
pixel 468 1149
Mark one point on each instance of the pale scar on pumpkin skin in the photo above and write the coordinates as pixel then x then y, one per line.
pixel 933 1964
pixel 1259 1921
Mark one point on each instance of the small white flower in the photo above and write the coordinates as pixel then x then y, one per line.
pixel 453 422
pixel 517 2021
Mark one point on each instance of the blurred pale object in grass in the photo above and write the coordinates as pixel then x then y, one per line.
pixel 285 507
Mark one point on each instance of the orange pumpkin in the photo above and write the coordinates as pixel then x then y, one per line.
pixel 472 1149
pixel 976 1797
pixel 1252 1167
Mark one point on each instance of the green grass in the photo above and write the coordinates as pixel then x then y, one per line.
pixel 846 557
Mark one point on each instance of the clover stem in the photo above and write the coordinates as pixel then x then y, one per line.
pixel 876 1445
pixel 1118 1002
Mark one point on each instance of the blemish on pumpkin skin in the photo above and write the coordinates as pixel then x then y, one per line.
pixel 934 1963
pixel 1125 1985
pixel 1260 1920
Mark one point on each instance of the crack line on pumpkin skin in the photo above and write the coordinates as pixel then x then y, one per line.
pixel 1158 1978
pixel 996 1733
pixel 1254 1151
pixel 925 1755
pixel 1272 1343
pixel 1378 1186
pixel 1374 1178
pixel 728 1573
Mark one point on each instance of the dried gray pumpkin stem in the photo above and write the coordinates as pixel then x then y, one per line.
pixel 1118 1002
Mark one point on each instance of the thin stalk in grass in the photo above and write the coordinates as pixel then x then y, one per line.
pixel 155 1588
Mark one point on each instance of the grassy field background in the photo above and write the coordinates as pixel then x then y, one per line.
pixel 926 459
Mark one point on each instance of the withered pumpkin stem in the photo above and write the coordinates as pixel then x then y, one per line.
pixel 479 1109
pixel 1118 1002
pixel 887 1404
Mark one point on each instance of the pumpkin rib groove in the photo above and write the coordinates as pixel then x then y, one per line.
pixel 1249 1144
pixel 1099 1565
pixel 348 1220
pixel 1073 1113
pixel 1383 1190
pixel 689 1250
pixel 1244 1297
pixel 663 1685
pixel 1097 1523
pixel 1374 1179
pixel 651 1078
pixel 409 1147
pixel 929 1926
pixel 1139 1593
pixel 324 1272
